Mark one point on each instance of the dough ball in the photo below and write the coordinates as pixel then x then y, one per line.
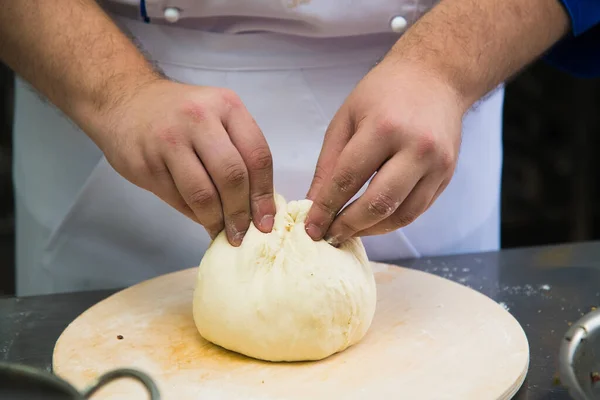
pixel 282 296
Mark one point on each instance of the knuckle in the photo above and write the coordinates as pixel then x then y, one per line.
pixel 230 98
pixel 202 198
pixel 345 179
pixel 261 159
pixel 155 169
pixel 170 136
pixel 235 175
pixel 382 205
pixel 426 144
pixel 195 111
pixel 447 160
pixel 144 173
pixel 387 127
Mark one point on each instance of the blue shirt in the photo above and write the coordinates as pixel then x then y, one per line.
pixel 579 52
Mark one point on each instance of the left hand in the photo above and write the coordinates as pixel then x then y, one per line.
pixel 403 122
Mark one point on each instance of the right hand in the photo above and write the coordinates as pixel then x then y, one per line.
pixel 198 149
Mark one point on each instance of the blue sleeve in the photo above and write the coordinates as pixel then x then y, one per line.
pixel 579 52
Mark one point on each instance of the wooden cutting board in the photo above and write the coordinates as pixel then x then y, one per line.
pixel 430 339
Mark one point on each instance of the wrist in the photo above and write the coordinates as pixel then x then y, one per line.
pixel 446 71
pixel 476 45
pixel 99 110
pixel 430 79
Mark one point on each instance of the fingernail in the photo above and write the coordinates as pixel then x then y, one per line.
pixel 333 240
pixel 238 238
pixel 267 222
pixel 314 231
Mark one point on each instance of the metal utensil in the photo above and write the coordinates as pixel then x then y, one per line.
pixel 579 358
pixel 21 382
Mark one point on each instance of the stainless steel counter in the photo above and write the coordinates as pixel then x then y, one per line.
pixel 545 288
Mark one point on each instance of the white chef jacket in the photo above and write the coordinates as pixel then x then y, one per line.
pixel 312 18
pixel 81 226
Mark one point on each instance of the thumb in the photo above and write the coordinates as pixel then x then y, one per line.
pixel 338 134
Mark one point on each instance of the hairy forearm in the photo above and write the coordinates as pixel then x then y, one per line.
pixel 72 53
pixel 477 44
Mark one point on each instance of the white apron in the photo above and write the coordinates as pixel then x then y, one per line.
pixel 81 226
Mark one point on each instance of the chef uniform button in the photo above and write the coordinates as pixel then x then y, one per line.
pixel 398 24
pixel 172 14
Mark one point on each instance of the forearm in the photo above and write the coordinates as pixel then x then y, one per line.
pixel 72 53
pixel 477 44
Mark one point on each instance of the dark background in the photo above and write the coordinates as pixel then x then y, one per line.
pixel 7 239
pixel 549 191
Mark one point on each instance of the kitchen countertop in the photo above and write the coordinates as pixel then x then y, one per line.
pixel 545 288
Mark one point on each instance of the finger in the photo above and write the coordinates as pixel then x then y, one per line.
pixel 415 204
pixel 338 134
pixel 164 187
pixel 254 150
pixel 438 192
pixel 392 184
pixel 359 160
pixel 168 192
pixel 197 190
pixel 228 172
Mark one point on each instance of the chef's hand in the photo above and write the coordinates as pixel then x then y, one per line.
pixel 199 150
pixel 402 122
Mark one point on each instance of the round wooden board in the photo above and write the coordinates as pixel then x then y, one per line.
pixel 430 339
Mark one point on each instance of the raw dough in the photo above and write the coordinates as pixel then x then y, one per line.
pixel 282 296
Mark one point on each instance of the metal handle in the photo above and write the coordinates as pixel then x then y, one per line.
pixel 124 373
pixel 579 357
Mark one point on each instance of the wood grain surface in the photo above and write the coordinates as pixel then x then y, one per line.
pixel 430 339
